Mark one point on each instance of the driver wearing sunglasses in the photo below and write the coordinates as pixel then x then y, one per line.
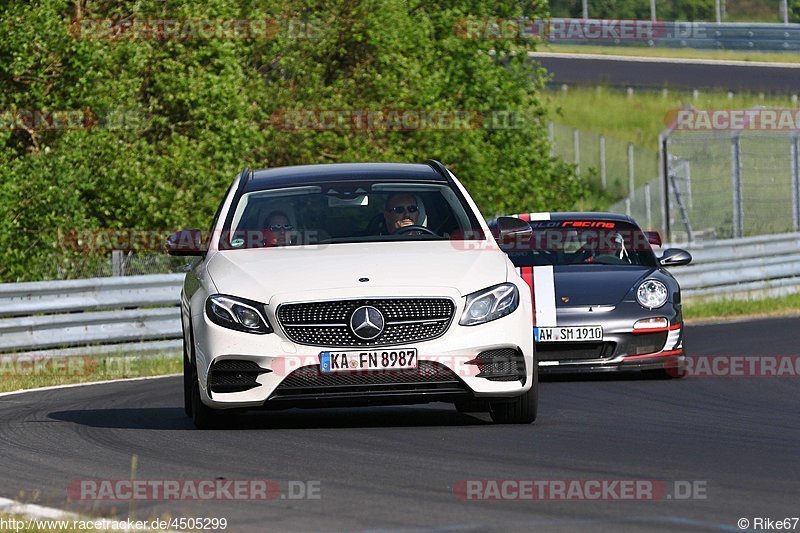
pixel 278 228
pixel 401 211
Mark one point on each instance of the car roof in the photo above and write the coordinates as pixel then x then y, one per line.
pixel 304 174
pixel 586 215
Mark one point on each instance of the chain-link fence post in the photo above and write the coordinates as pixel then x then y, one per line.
pixel 576 143
pixel 795 183
pixel 647 206
pixel 631 173
pixel 117 263
pixel 603 161
pixel 663 176
pixel 736 177
pixel 687 167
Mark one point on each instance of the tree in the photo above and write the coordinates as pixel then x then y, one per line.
pixel 163 125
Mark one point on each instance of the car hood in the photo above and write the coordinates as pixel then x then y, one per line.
pixel 595 285
pixel 262 273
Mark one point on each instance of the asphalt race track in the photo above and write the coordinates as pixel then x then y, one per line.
pixel 662 72
pixel 394 468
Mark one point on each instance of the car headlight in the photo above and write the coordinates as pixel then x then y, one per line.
pixel 237 313
pixel 651 294
pixel 490 304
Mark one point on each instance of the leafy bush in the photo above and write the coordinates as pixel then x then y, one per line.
pixel 177 119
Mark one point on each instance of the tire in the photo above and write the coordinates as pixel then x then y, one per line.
pixel 472 406
pixel 188 376
pixel 522 410
pixel 203 416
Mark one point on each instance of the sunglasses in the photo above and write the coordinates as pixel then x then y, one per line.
pixel 279 227
pixel 399 209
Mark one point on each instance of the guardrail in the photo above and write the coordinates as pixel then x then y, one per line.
pixel 750 267
pixel 141 314
pixel 133 314
pixel 668 34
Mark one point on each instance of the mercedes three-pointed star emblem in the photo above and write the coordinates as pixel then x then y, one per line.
pixel 366 323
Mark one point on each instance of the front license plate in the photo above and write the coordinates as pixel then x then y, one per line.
pixel 395 359
pixel 569 334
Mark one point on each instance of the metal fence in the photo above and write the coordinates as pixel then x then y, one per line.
pixel 731 184
pixel 701 185
pixel 617 168
pixel 746 268
pixel 116 314
pixel 141 314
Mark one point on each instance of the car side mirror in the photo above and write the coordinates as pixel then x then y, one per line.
pixel 510 230
pixel 186 242
pixel 675 257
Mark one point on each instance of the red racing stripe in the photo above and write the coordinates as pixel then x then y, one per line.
pixel 527 275
pixel 652 355
pixel 525 216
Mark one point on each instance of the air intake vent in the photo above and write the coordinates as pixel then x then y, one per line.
pixel 234 375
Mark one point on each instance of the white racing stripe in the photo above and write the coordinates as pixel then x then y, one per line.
pixel 672 340
pixel 544 293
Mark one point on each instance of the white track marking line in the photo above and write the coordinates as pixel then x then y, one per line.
pixel 85 384
pixel 39 512
pixel 32 511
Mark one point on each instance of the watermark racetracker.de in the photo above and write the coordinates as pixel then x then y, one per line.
pixel 579 489
pixel 191 29
pixel 126 490
pixel 573 29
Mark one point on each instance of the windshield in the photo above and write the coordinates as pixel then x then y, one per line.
pixel 346 212
pixel 583 242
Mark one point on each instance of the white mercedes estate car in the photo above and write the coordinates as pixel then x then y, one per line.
pixel 354 284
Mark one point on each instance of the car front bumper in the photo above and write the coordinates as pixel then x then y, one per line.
pixel 449 360
pixel 622 349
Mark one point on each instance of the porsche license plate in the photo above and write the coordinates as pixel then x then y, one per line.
pixel 569 334
pixel 394 359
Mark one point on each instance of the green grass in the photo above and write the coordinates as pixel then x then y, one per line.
pixel 17 372
pixel 726 309
pixel 683 53
pixel 641 117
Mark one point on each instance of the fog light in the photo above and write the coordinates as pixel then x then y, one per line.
pixel 650 323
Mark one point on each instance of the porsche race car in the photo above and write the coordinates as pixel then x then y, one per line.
pixel 602 299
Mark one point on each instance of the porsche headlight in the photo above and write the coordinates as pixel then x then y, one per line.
pixel 651 294
pixel 237 313
pixel 490 304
